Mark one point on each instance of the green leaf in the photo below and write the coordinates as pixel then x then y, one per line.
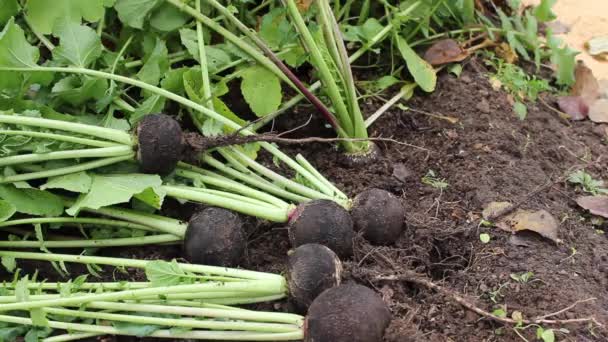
pixel 565 61
pixel 156 64
pixel 113 189
pixel 12 333
pixel 168 18
pixel 15 51
pixel 79 45
pixel 74 182
pixel 77 90
pixel 499 313
pixel 543 12
pixel 217 57
pixel 9 264
pixel 138 330
pixel 152 104
pixel 484 237
pixel 421 70
pixel 37 334
pixel 38 317
pixel 32 201
pixel 164 273
pixel 275 29
pixel 153 197
pixel 7 209
pixel 44 14
pixel 8 8
pixel 261 90
pixel 548 335
pixel 520 110
pixel 134 12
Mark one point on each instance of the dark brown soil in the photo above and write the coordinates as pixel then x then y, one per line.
pixel 488 155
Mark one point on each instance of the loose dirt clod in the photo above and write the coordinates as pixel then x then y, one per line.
pixel 215 236
pixel 347 313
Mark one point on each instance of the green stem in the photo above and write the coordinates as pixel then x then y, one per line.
pixel 322 68
pixel 265 212
pixel 60 137
pixel 173 58
pixel 73 336
pixel 65 170
pixel 180 322
pixel 181 100
pixel 234 39
pixel 157 222
pixel 245 315
pixel 253 286
pixel 229 185
pixel 95 131
pixel 76 221
pixel 206 83
pixel 283 181
pixel 119 262
pixel 197 334
pixel 254 180
pixel 305 163
pixel 114 151
pixel 114 242
pixel 380 36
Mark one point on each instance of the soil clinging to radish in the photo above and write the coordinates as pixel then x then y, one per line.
pixel 347 313
pixel 379 215
pixel 160 144
pixel 313 268
pixel 324 222
pixel 215 236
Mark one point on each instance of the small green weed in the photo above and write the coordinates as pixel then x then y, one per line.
pixel 587 183
pixel 518 83
pixel 432 179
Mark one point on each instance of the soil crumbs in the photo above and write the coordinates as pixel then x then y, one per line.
pixel 487 155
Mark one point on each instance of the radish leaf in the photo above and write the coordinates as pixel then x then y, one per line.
pixel 79 45
pixel 421 70
pixel 113 189
pixel 32 201
pixel 261 89
pixel 43 14
pixel 7 209
pixel 134 12
pixel 75 182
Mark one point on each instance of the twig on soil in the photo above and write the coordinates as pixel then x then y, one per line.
pixel 562 115
pixel 423 281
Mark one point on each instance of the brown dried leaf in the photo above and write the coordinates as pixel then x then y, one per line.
pixel 603 88
pixel 492 208
pixel 445 51
pixel 574 106
pixel 506 52
pixel 586 84
pixel 540 221
pixel 598 112
pixel 303 5
pixel 597 205
pixel 598 46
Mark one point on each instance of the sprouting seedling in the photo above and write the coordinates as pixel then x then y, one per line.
pixel 587 182
pixel 524 277
pixel 176 293
pixel 432 179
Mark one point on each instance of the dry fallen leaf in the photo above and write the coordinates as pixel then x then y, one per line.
pixel 597 205
pixel 445 51
pixel 491 209
pixel 586 85
pixel 574 106
pixel 598 46
pixel 603 88
pixel 506 52
pixel 303 5
pixel 598 112
pixel 540 221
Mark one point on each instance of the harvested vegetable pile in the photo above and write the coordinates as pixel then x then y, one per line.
pixel 296 170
